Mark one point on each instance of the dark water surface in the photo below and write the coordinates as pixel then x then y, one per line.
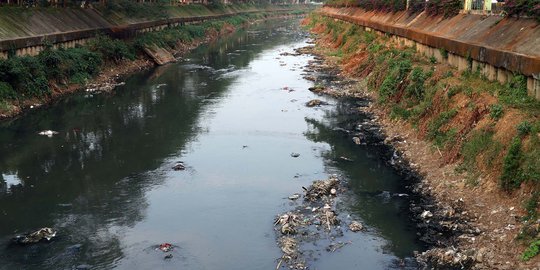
pixel 105 181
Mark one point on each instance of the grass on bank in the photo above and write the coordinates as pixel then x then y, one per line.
pixel 24 77
pixel 491 129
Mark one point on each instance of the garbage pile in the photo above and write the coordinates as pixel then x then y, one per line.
pixel 42 235
pixel 315 218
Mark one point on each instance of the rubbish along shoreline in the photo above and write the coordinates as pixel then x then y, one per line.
pixel 315 216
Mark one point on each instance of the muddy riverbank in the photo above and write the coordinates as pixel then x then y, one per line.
pixel 465 227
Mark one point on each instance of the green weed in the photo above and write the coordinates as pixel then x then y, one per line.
pixel 511 178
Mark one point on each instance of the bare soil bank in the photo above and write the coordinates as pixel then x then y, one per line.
pixel 471 226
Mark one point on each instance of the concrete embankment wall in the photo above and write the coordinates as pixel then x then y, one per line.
pixel 497 47
pixel 28 32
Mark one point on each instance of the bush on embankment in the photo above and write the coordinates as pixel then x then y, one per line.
pixel 521 8
pixel 446 8
pixel 26 77
pixel 491 130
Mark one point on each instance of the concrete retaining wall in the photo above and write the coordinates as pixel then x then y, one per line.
pixel 33 44
pixel 497 47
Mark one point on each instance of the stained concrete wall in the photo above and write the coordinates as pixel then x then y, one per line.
pixel 497 47
pixel 28 33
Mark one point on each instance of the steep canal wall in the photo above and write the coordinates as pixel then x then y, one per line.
pixel 27 32
pixel 495 46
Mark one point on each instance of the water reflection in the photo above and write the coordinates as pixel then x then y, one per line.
pixel 90 180
pixel 378 196
pixel 105 181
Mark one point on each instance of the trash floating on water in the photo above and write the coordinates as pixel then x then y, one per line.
pixel 356 226
pixel 179 166
pixel 169 256
pixel 426 214
pixel 288 223
pixel 165 247
pixel 345 158
pixel 43 234
pixel 316 213
pixel 335 246
pixel 321 188
pixel 315 102
pixel 356 140
pixel 295 196
pixel 48 133
pixel 295 155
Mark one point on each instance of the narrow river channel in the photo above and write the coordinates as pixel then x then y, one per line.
pixel 106 182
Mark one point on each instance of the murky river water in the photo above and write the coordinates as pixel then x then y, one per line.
pixel 106 183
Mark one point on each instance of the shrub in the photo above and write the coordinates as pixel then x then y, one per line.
pixel 112 49
pixel 531 251
pixel 398 69
pixel 447 8
pixel 26 75
pixel 70 64
pixel 399 112
pixel 6 91
pixel 511 178
pixel 495 111
pixel 133 9
pixel 524 128
pixel 416 85
pixel 416 6
pixel 515 91
pixel 434 132
pixel 452 91
pixel 519 8
pixel 480 142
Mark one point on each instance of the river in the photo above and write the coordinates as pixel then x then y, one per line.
pixel 106 182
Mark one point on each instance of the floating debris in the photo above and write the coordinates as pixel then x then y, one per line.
pixel 335 246
pixel 291 255
pixel 165 247
pixel 48 133
pixel 316 89
pixel 295 155
pixel 346 158
pixel 356 140
pixel 305 223
pixel 356 226
pixel 426 214
pixel 288 223
pixel 315 102
pixel 43 234
pixel 179 166
pixel 321 188
pixel 295 196
pixel 169 256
